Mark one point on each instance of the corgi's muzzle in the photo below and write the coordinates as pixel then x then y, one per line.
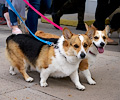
pixel 101 48
pixel 82 55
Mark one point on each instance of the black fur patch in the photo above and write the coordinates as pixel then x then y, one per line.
pixel 29 45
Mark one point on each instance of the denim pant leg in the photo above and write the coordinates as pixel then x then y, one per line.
pixel 1 10
pixel 13 18
pixel 32 16
pixel 47 4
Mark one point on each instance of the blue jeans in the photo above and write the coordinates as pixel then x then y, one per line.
pixel 32 17
pixel 13 18
pixel 1 10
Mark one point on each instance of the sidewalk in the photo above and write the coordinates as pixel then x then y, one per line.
pixel 106 72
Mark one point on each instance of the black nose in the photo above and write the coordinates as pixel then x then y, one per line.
pixel 102 44
pixel 82 55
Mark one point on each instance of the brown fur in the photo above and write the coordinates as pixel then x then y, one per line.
pixel 83 65
pixel 16 57
pixel 44 58
pixel 45 35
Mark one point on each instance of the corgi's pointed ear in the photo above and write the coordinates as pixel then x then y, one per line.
pixel 90 32
pixel 67 33
pixel 87 27
pixel 107 29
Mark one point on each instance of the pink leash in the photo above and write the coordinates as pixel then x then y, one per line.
pixel 42 15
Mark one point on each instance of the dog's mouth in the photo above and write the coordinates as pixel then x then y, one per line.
pixel 100 49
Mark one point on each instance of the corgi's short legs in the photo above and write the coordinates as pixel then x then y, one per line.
pixel 11 70
pixel 44 74
pixel 75 78
pixel 87 74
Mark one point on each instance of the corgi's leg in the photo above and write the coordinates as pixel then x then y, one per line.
pixel 25 75
pixel 44 76
pixel 75 78
pixel 87 74
pixel 28 68
pixel 11 70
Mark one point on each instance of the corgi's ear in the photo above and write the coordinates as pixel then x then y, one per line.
pixel 107 29
pixel 87 27
pixel 67 33
pixel 90 32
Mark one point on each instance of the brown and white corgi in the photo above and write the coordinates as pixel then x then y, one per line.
pixel 99 40
pixel 23 50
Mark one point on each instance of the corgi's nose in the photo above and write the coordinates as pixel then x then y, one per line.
pixel 82 55
pixel 102 44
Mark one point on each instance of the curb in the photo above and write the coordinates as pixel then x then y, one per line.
pixel 72 22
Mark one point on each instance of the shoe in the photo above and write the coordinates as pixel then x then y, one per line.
pixel 56 19
pixel 16 31
pixel 81 27
pixel 112 43
pixel 2 21
pixel 6 15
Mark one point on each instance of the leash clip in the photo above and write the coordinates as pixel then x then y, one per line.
pixel 54 45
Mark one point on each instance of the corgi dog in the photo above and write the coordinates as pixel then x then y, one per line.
pixel 23 50
pixel 99 41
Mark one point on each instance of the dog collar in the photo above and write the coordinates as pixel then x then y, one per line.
pixel 55 45
pixel 62 54
pixel 95 45
pixel 92 53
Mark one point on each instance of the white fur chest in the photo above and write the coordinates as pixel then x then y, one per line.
pixel 92 57
pixel 61 67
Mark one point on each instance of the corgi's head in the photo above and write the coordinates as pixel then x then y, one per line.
pixel 73 46
pixel 99 38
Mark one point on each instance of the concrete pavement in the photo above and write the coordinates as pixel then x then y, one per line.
pixel 105 71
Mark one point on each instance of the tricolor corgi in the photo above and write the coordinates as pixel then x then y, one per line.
pixel 99 40
pixel 23 50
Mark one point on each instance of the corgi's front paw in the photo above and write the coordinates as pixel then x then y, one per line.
pixel 91 82
pixel 43 84
pixel 12 72
pixel 80 87
pixel 30 79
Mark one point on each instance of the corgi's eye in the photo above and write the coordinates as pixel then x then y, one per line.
pixel 95 37
pixel 104 37
pixel 85 45
pixel 76 46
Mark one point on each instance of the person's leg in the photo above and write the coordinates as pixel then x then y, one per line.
pixel 1 6
pixel 14 23
pixel 64 9
pixel 99 19
pixel 57 4
pixel 32 16
pixel 2 19
pixel 103 10
pixel 81 11
pixel 45 6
